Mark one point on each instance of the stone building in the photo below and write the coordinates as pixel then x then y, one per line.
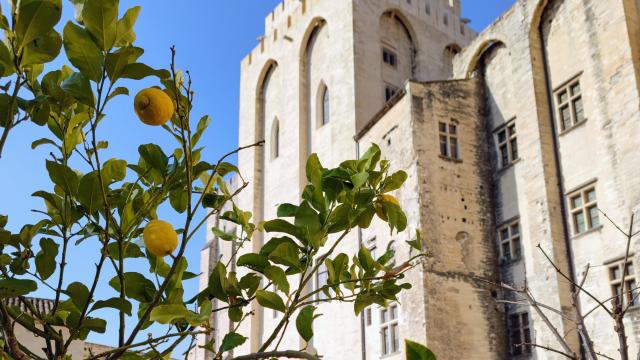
pixel 512 138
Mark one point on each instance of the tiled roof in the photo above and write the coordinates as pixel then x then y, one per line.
pixel 42 305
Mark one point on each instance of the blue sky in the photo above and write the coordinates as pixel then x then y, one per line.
pixel 211 38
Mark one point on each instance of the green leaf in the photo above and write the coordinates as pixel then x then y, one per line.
pixel 118 91
pixel 253 261
pixel 231 341
pixel 223 235
pixel 138 71
pixel 125 35
pixel 43 49
pixel 203 123
pixel 168 314
pixel 79 294
pixel 82 51
pixel 304 322
pixel 397 218
pixel 417 242
pixel 77 6
pixel 359 179
pixel 118 60
pixel 5 104
pixel 278 277
pixel 365 259
pixel 95 325
pixel 136 286
pixel 100 17
pixel 394 181
pixel 287 210
pixel 115 303
pixel 218 281
pixel 3 221
pixel 153 155
pixel 46 258
pixel 114 170
pixel 314 171
pixel 250 282
pixel 362 301
pixel 131 250
pixel 64 177
pixel 179 200
pixel 270 300
pixel 6 60
pixel 308 219
pixel 286 254
pixel 90 193
pixel 279 225
pixel 36 18
pixel 78 86
pixel 11 288
pixel 417 351
pixel 42 141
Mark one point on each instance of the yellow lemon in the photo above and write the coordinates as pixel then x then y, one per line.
pixel 160 238
pixel 380 211
pixel 153 106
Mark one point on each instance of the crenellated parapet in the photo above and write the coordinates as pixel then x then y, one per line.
pixel 288 14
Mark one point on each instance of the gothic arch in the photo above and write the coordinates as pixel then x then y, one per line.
pixel 448 54
pixel 480 52
pixel 316 26
pixel 265 76
pixel 405 24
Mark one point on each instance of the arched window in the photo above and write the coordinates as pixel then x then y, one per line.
pixel 326 109
pixel 275 139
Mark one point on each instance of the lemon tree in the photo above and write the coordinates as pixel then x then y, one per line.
pixel 113 204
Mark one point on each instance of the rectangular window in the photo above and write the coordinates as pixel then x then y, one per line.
pixel 630 286
pixel 389 331
pixel 428 8
pixel 389 92
pixel 519 334
pixel 584 209
pixel 389 57
pixel 448 134
pixel 509 237
pixel 507 143
pixel 368 316
pixel 569 105
pixel 322 279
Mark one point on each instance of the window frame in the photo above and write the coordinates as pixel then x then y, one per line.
pixel 509 144
pixel 569 104
pixel 583 209
pixel 391 55
pixel 450 139
pixel 323 105
pixel 389 341
pixel 390 91
pixel 523 331
pixel 624 275
pixel 515 251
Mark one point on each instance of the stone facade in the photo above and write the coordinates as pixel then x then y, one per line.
pixel 512 138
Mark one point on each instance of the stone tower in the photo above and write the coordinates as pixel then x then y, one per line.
pixel 511 138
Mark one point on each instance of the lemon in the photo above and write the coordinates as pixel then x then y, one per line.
pixel 380 211
pixel 153 106
pixel 160 238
